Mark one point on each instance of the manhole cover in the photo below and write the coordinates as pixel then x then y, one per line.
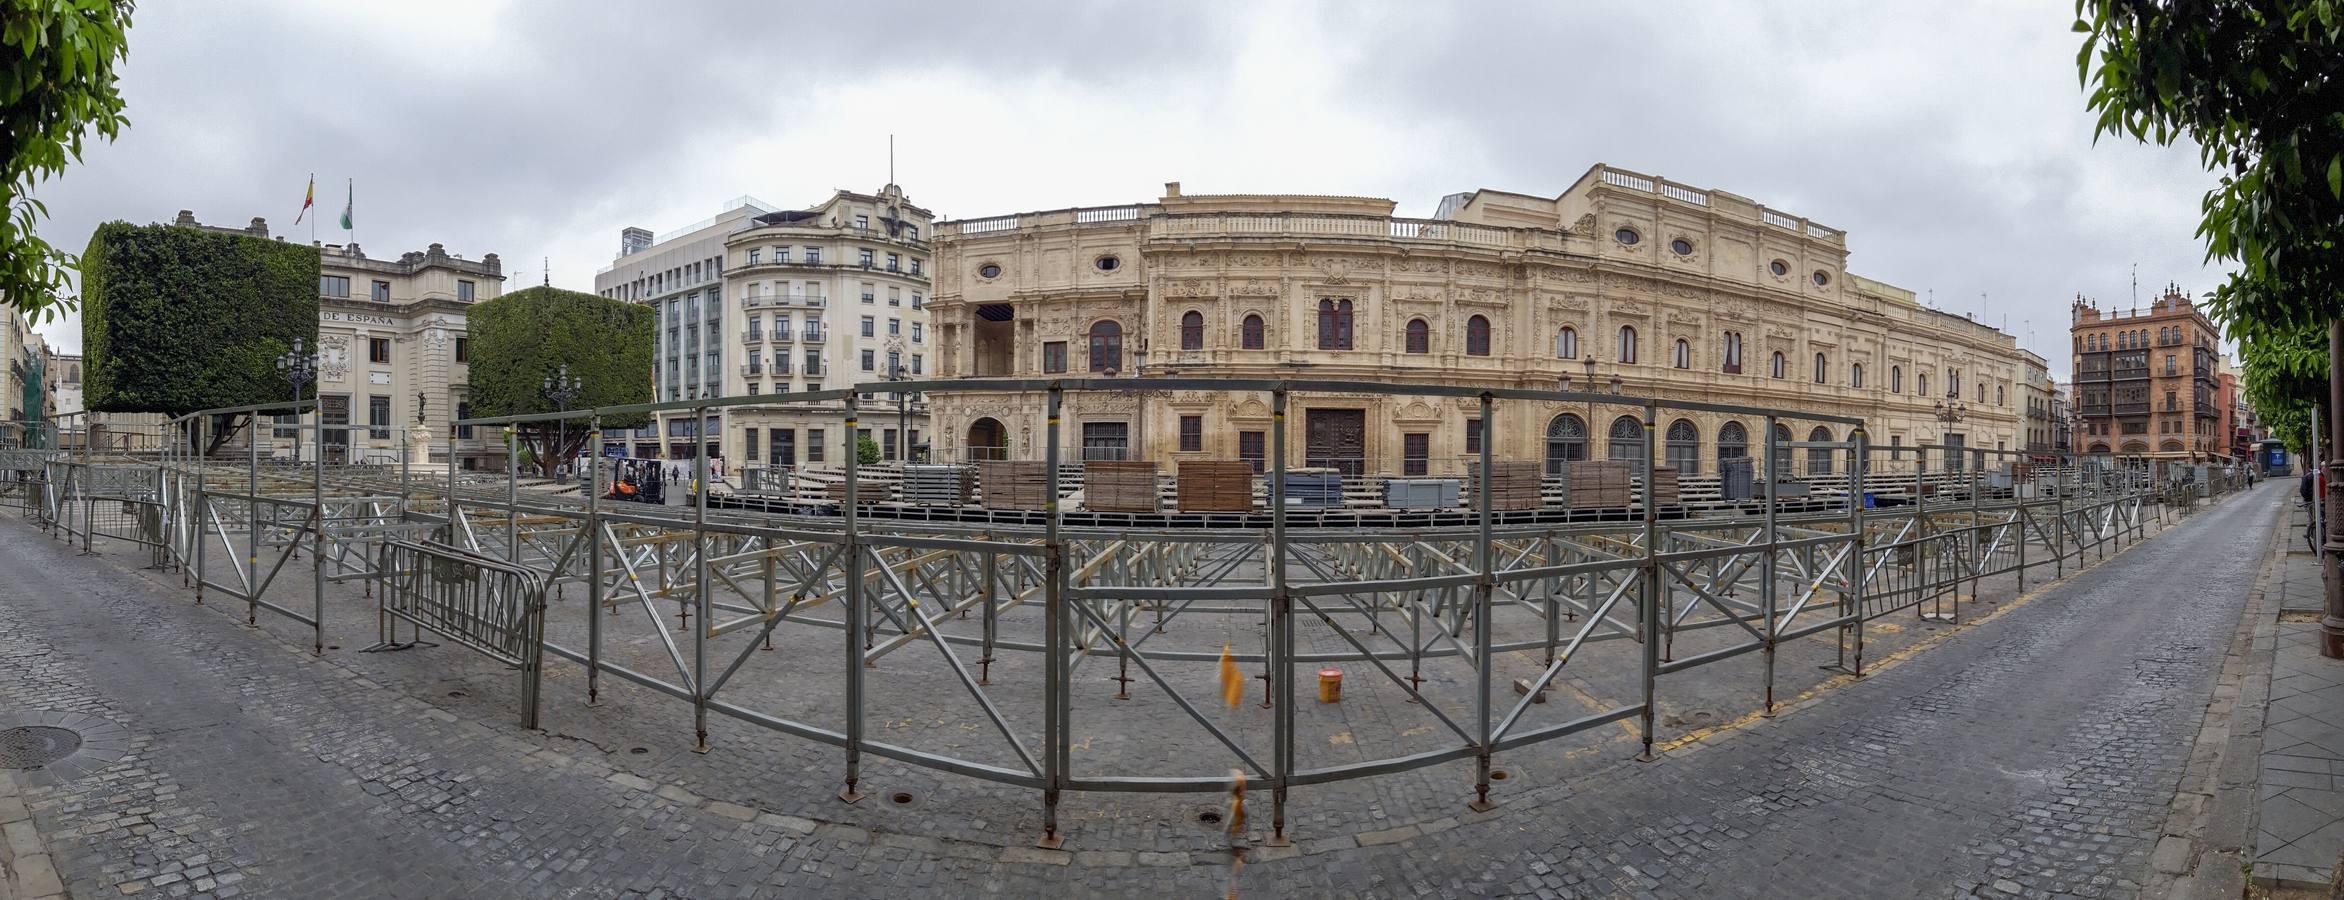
pixel 34 746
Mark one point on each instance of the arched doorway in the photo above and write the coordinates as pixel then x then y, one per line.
pixel 988 440
pixel 1566 441
pixel 1684 447
pixel 1627 438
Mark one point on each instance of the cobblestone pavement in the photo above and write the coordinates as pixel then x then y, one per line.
pixel 2034 753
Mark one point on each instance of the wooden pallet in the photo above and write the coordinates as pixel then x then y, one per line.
pixel 1013 484
pixel 1119 486
pixel 1215 486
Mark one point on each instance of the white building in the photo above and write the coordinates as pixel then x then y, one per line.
pixel 764 301
pixel 392 353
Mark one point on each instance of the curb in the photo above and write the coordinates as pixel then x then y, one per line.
pixel 27 872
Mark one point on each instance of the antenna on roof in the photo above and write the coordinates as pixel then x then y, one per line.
pixel 891 159
pixel 2136 284
pixel 548 263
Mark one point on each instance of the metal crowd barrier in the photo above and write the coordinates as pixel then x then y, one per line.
pixel 996 610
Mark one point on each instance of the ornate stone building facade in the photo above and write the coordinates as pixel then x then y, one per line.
pixel 1673 291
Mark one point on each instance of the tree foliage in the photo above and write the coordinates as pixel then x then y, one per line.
pixel 866 450
pixel 57 85
pixel 179 319
pixel 521 339
pixel 2258 85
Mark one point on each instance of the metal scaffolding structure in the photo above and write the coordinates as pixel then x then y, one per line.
pixel 1467 622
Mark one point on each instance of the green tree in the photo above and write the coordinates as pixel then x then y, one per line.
pixel 179 319
pixel 59 85
pixel 523 338
pixel 866 450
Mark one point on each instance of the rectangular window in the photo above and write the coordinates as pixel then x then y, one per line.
pixel 782 447
pixel 334 286
pixel 915 301
pixel 1249 449
pixel 287 426
pixel 887 444
pixel 870 293
pixel 463 350
pixel 749 441
pixel 752 387
pixel 1106 440
pixel 382 292
pixel 915 364
pixel 863 223
pixel 870 361
pixel 1054 356
pixel 463 411
pixel 463 292
pixel 895 326
pixel 1192 434
pixel 813 258
pixel 753 256
pixel 1473 436
pixel 864 257
pixel 378 350
pixel 1415 454
pixel 378 417
pixel 916 332
pixel 915 265
pixel 893 263
pixel 870 327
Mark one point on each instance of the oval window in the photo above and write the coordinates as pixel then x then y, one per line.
pixel 1681 247
pixel 1107 263
pixel 989 270
pixel 1821 279
pixel 1626 236
pixel 1779 268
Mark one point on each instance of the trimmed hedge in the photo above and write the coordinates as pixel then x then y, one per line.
pixel 178 319
pixel 520 339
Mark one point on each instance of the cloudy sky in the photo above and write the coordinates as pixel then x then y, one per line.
pixel 1949 140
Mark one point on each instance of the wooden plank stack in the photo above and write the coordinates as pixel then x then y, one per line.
pixel 1664 484
pixel 1513 484
pixel 1014 484
pixel 936 485
pixel 1119 486
pixel 1601 484
pixel 1215 486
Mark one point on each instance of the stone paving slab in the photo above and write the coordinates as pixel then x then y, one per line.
pixel 2299 831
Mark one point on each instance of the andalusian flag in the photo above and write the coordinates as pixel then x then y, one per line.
pixel 347 203
pixel 308 199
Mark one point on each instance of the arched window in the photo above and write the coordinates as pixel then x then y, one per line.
pixel 1627 344
pixel 1566 441
pixel 1334 324
pixel 1896 379
pixel 1567 344
pixel 1419 336
pixel 2000 398
pixel 1477 336
pixel 1627 438
pixel 1249 335
pixel 1106 345
pixel 1921 384
pixel 1775 365
pixel 1684 447
pixel 1856 375
pixel 1733 442
pixel 1192 330
pixel 1683 358
pixel 1781 463
pixel 1822 368
pixel 1953 383
pixel 1818 458
pixel 1732 354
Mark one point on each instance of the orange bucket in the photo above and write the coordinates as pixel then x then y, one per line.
pixel 1330 685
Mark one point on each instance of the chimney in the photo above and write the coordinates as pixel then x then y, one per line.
pixel 1171 189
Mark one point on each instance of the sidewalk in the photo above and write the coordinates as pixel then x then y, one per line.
pixel 2299 817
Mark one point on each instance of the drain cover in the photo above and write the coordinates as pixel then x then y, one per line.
pixel 34 746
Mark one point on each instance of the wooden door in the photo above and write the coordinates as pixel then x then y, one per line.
pixel 1337 439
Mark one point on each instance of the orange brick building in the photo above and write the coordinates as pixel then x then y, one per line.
pixel 2149 381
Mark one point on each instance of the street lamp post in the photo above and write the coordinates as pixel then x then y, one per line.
pixel 561 388
pixel 903 432
pixel 300 368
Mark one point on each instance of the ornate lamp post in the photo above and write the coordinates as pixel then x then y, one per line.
pixel 1950 412
pixel 903 432
pixel 300 368
pixel 561 388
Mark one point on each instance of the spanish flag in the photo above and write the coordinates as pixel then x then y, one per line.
pixel 308 199
pixel 1232 680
